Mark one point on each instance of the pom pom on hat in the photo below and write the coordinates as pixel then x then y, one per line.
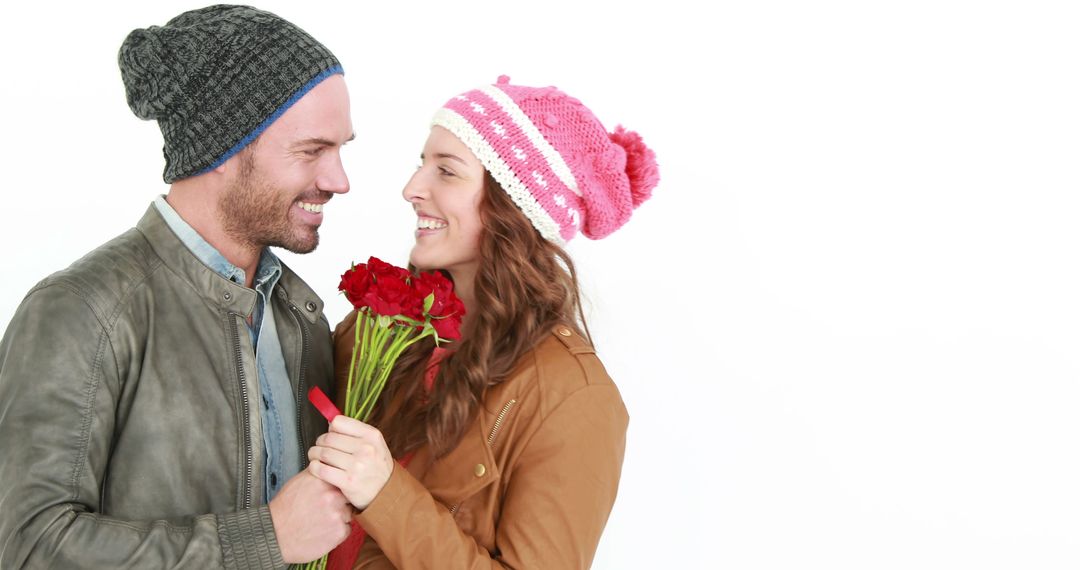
pixel 553 157
pixel 641 167
pixel 149 94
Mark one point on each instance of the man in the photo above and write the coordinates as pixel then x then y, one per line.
pixel 152 395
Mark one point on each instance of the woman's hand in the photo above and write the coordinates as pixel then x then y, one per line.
pixel 353 457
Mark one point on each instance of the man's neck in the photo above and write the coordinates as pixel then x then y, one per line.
pixel 202 218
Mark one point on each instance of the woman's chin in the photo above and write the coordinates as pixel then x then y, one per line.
pixel 419 262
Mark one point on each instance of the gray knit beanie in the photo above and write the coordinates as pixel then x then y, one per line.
pixel 215 78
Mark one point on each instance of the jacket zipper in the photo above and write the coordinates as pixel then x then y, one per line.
pixel 499 421
pixel 305 343
pixel 249 460
pixel 491 436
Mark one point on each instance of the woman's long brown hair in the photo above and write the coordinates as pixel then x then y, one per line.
pixel 525 285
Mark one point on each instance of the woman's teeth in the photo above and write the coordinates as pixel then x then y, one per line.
pixel 429 224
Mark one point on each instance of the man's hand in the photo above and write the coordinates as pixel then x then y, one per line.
pixel 310 518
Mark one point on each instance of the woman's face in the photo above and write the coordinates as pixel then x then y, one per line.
pixel 445 192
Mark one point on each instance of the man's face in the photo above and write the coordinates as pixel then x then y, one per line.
pixel 280 183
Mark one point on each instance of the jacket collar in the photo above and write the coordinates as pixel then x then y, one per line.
pixel 267 272
pixel 216 289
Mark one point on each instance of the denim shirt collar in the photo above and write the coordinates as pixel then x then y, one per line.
pixel 266 274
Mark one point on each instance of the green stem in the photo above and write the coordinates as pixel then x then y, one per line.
pixel 361 322
pixel 352 363
pixel 404 337
pixel 319 564
pixel 374 349
pixel 386 363
pixel 363 341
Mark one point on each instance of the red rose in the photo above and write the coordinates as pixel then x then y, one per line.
pixel 392 296
pixel 355 283
pixel 448 328
pixel 383 270
pixel 446 309
pixel 382 288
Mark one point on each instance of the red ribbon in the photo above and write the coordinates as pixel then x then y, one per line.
pixel 323 404
pixel 342 557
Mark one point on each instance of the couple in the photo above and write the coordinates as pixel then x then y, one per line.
pixel 152 395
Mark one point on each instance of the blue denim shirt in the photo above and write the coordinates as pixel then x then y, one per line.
pixel 280 438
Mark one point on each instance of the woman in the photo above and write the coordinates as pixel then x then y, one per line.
pixel 514 438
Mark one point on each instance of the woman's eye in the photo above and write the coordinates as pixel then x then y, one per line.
pixel 445 172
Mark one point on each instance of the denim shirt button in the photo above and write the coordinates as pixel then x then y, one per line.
pixel 273 480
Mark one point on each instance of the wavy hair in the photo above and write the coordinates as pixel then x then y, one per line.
pixel 525 285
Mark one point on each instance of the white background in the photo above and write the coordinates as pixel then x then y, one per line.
pixel 846 325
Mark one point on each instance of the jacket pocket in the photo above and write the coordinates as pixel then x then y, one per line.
pixel 467 470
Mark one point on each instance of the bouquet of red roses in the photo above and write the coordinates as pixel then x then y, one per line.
pixel 394 310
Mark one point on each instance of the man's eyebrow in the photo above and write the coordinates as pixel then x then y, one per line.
pixel 323 142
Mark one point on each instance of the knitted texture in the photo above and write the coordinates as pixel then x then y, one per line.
pixel 215 78
pixel 553 157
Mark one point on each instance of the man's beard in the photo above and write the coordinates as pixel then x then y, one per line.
pixel 256 214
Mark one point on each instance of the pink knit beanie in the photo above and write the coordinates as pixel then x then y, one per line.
pixel 554 157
